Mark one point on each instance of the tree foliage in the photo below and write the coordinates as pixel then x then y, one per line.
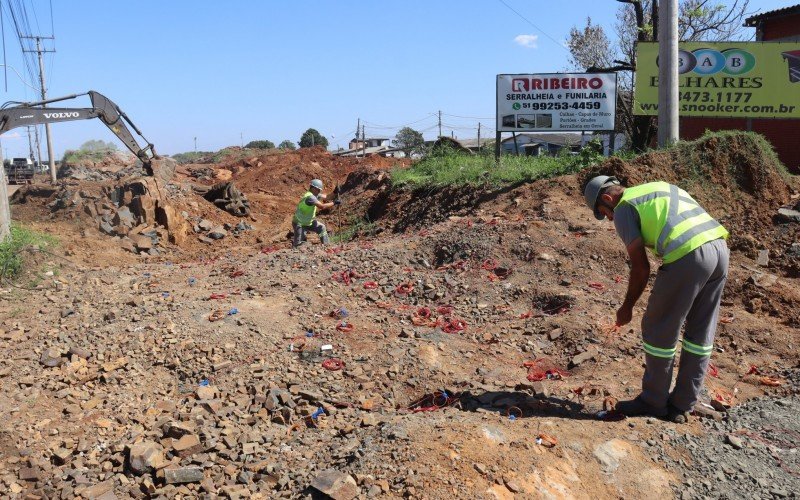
pixel 409 140
pixel 287 145
pixel 96 146
pixel 312 137
pixel 263 144
pixel 589 46
pixel 637 21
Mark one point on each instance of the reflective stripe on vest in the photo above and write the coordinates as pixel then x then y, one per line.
pixel 672 223
pixel 305 214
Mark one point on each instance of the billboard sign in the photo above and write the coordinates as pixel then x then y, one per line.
pixel 556 102
pixel 731 79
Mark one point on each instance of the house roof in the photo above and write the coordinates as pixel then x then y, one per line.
pixel 753 21
pixel 561 139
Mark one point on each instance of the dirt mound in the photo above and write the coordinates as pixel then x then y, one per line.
pixel 736 176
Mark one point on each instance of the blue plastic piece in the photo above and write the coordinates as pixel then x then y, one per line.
pixel 512 417
pixel 309 334
pixel 204 382
pixel 320 411
pixel 165 294
pixel 233 311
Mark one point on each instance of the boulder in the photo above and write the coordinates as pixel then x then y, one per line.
pixel 146 456
pixel 337 485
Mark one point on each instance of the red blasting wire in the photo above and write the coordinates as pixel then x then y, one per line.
pixel 424 312
pixel 404 289
pixel 370 285
pixel 596 285
pixel 345 327
pixel 489 265
pixel 333 364
pixel 445 309
pixel 454 325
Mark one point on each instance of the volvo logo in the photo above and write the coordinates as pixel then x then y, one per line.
pixel 72 114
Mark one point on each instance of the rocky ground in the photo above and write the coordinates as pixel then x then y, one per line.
pixel 383 367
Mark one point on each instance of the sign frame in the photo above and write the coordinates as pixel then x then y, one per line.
pixel 499 122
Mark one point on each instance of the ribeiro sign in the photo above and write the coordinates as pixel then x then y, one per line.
pixel 556 102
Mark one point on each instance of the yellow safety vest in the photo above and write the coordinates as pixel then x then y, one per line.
pixel 305 214
pixel 673 224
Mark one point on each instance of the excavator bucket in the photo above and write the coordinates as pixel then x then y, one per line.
pixel 162 168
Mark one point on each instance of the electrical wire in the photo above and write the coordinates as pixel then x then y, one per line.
pixel 531 23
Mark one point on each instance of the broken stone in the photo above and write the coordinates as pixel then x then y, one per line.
pixel 763 280
pixel 734 441
pixel 788 215
pixel 205 225
pixel 763 258
pixel 51 357
pixel 583 357
pixel 61 456
pixel 191 474
pixel 187 445
pixel 99 490
pixel 335 484
pixel 554 334
pixel 141 241
pixel 217 233
pixel 80 352
pixel 205 392
pixel 145 456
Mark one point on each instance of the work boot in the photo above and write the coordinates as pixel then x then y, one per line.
pixel 677 416
pixel 637 407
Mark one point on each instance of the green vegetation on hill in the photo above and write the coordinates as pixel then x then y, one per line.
pixel 20 239
pixel 89 150
pixel 453 168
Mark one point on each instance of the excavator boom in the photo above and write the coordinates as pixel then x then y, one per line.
pixel 34 113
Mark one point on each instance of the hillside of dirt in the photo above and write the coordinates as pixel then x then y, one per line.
pixel 392 366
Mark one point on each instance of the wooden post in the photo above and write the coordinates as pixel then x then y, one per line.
pixel 497 148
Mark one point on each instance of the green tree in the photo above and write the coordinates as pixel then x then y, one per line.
pixel 312 137
pixel 92 146
pixel 265 144
pixel 409 140
pixel 287 145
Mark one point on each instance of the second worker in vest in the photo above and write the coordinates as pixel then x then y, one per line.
pixel 687 290
pixel 305 216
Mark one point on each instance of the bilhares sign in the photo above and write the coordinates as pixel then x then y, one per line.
pixel 556 102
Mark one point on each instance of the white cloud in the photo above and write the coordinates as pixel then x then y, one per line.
pixel 11 135
pixel 527 41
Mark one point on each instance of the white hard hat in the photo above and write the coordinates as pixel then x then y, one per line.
pixel 316 183
pixel 592 191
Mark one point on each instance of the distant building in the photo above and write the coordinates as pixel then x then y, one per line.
pixel 781 25
pixel 371 142
pixel 369 147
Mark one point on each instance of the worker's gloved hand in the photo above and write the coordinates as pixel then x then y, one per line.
pixel 337 202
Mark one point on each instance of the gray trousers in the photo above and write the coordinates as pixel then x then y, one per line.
pixel 300 232
pixel 688 290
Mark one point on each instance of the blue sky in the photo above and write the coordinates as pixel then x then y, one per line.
pixel 219 71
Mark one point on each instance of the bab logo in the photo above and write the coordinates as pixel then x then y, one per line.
pixel 709 61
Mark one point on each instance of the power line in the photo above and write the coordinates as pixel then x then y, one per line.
pixel 531 23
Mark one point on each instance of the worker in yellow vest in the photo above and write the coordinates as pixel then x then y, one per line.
pixel 688 286
pixel 305 217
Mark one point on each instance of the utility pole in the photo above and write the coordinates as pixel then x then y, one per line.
pixel 241 139
pixel 38 146
pixel 479 136
pixel 363 141
pixel 5 210
pixel 440 123
pixel 195 145
pixel 40 51
pixel 668 73
pixel 30 143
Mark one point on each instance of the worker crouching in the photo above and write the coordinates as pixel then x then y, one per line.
pixel 687 290
pixel 305 217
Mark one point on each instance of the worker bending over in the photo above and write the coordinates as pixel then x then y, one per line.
pixel 305 217
pixel 688 286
